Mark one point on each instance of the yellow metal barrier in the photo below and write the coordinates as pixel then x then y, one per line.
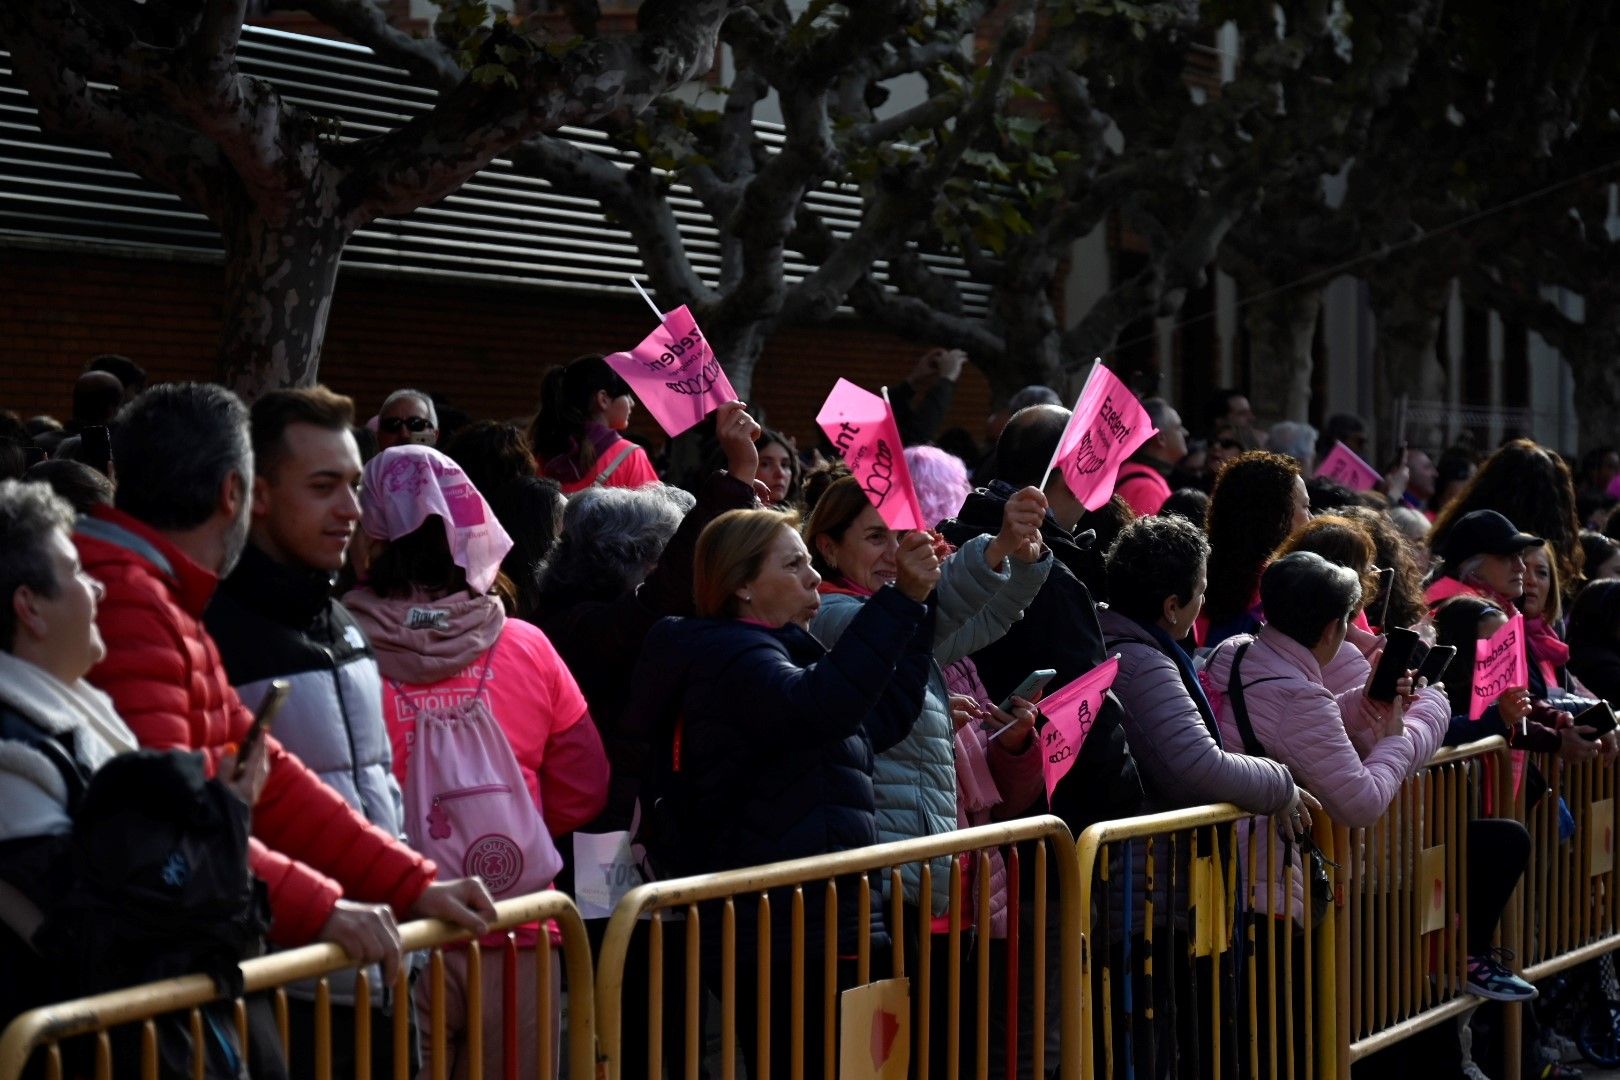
pixel 1405 886
pixel 1202 911
pixel 43 1031
pixel 1204 954
pixel 1570 910
pixel 746 903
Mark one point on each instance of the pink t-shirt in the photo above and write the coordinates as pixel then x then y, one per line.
pixel 531 692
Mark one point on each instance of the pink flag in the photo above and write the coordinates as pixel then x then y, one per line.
pixel 1069 715
pixel 1344 466
pixel 1107 426
pixel 862 426
pixel 675 374
pixel 1499 666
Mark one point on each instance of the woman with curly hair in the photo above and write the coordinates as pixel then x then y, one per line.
pixel 1403 605
pixel 1532 487
pixel 1259 499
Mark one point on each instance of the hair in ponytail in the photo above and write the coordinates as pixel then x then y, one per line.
pixel 567 400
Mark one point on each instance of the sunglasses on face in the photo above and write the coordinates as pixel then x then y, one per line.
pixel 414 424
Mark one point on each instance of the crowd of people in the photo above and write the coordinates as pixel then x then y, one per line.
pixel 509 656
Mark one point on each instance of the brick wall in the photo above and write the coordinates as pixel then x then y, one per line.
pixel 482 346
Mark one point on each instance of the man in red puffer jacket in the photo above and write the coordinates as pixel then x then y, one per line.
pixel 178 523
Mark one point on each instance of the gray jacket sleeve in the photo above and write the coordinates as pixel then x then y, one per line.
pixel 977 602
pixel 1175 751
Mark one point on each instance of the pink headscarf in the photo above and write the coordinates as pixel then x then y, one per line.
pixel 406 485
pixel 941 480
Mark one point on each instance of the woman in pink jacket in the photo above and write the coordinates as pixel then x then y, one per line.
pixel 1300 719
pixel 1294 717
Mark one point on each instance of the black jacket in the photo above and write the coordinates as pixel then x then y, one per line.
pixel 771 737
pixel 1598 668
pixel 1059 630
pixel 275 621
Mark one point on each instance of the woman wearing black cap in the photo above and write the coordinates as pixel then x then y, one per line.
pixel 1482 555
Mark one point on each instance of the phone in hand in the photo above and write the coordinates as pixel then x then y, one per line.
pixel 1032 689
pixel 274 699
pixel 1436 663
pixel 1399 645
pixel 1600 718
pixel 1386 589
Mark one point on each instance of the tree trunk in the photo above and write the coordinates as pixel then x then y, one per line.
pixel 1596 374
pixel 1281 327
pixel 1409 306
pixel 281 269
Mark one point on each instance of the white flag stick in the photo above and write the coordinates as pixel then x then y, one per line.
pixel 647 298
pixel 1058 449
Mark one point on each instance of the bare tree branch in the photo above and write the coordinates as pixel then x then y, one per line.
pixel 428 61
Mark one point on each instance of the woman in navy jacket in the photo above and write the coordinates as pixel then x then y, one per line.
pixel 770 737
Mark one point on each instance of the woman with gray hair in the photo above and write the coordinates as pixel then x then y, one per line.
pixel 624 562
pixel 1296 440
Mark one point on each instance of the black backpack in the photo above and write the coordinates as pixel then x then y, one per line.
pixel 160 887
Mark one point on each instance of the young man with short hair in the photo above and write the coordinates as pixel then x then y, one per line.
pixel 274 617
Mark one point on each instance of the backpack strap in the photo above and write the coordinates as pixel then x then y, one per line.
pixel 489 660
pixel 1240 710
pixel 618 459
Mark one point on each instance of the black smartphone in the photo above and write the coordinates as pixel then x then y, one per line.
pixel 1399 644
pixel 1600 718
pixel 1386 589
pixel 1436 663
pixel 274 699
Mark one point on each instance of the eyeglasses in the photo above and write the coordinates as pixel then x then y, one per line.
pixel 414 424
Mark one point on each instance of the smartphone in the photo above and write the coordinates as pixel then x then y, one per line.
pixel 1031 689
pixel 1399 645
pixel 1436 663
pixel 274 699
pixel 1600 718
pixel 1386 589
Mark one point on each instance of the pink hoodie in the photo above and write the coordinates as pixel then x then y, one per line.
pixel 1302 716
pixel 430 648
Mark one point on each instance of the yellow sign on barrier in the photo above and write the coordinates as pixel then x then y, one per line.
pixel 1432 892
pixel 874 1037
pixel 1600 831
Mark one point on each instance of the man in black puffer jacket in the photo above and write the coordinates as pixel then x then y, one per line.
pixel 1060 631
pixel 275 617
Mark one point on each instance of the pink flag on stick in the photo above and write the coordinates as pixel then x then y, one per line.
pixel 1106 427
pixel 675 373
pixel 1499 666
pixel 1344 466
pixel 862 426
pixel 1069 715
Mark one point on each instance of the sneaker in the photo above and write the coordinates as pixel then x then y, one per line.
pixel 1489 977
pixel 1559 1071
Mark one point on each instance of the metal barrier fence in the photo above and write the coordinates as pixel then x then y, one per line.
pixel 1571 913
pixel 1202 933
pixel 769 912
pixel 1404 888
pixel 97 1020
pixel 1185 943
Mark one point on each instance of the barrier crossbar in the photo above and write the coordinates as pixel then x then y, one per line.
pixel 801 898
pixel 43 1031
